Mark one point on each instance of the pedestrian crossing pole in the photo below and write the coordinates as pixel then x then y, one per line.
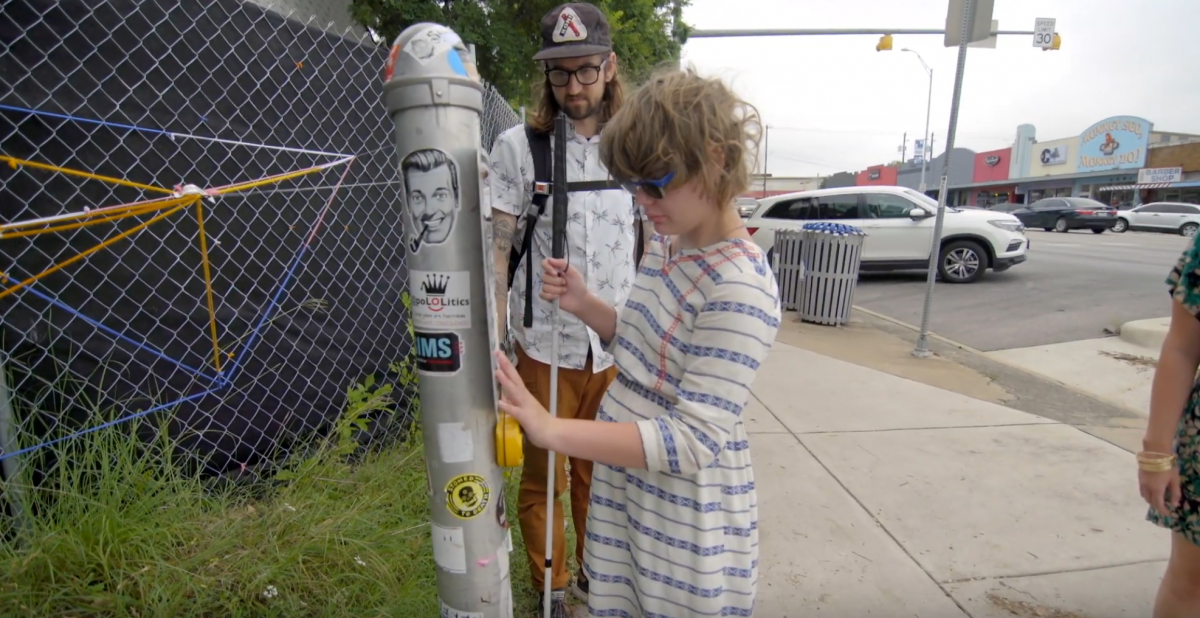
pixel 434 97
pixel 969 8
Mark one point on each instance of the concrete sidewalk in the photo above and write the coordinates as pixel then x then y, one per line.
pixel 881 496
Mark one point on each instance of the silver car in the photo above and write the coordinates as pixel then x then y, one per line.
pixel 746 206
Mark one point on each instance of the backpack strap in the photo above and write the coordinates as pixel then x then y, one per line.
pixel 539 146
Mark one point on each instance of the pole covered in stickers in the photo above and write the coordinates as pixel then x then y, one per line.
pixel 434 97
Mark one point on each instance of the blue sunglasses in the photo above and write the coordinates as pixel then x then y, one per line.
pixel 653 188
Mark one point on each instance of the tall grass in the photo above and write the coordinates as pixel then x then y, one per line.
pixel 119 529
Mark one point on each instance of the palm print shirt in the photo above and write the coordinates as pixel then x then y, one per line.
pixel 599 244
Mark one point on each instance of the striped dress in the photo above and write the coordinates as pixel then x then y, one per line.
pixel 680 538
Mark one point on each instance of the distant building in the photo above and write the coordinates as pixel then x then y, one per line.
pixel 777 185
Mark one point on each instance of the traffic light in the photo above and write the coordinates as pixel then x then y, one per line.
pixel 884 44
pixel 1055 43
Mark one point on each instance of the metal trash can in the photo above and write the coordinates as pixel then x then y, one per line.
pixel 789 270
pixel 829 255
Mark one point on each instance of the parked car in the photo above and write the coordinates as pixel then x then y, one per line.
pixel 1172 217
pixel 746 206
pixel 899 224
pixel 1063 214
pixel 1005 207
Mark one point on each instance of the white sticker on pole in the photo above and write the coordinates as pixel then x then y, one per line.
pixel 430 42
pixel 450 612
pixel 449 550
pixel 441 299
pixel 1043 32
pixel 455 443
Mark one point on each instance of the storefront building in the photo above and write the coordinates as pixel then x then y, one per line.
pixel 878 175
pixel 989 180
pixel 1108 153
pixel 1103 163
pixel 1172 174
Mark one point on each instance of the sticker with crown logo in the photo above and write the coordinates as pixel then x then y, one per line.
pixel 441 300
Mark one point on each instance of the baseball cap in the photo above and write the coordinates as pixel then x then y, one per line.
pixel 573 30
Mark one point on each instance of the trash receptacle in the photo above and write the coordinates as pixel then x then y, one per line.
pixel 789 270
pixel 830 255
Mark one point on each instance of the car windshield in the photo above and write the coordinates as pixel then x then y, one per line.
pixel 1084 203
pixel 921 198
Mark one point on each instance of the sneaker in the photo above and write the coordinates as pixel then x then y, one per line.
pixel 558 604
pixel 580 587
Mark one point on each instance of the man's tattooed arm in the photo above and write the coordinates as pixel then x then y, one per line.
pixel 504 229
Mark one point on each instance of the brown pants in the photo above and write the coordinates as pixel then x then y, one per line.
pixel 579 394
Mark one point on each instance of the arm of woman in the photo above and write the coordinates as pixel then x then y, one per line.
pixel 1173 380
pixel 730 338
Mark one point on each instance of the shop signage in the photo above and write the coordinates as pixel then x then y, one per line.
pixel 1160 174
pixel 874 175
pixel 1116 143
pixel 1054 156
pixel 992 160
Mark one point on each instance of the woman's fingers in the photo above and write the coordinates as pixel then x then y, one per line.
pixel 1175 490
pixel 1157 494
pixel 509 379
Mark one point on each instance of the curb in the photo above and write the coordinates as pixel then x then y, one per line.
pixel 1146 333
pixel 966 348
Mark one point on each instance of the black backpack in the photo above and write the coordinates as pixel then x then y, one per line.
pixel 543 169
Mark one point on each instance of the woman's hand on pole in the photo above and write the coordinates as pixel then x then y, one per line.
pixel 519 403
pixel 562 282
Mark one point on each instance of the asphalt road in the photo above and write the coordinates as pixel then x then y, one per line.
pixel 1072 287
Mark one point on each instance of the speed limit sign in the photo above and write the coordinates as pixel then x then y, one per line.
pixel 1043 32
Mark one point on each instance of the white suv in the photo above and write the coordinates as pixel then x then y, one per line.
pixel 899 226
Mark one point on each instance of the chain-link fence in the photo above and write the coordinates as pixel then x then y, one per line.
pixel 198 229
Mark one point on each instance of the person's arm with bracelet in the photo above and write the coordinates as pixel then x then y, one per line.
pixel 1174 379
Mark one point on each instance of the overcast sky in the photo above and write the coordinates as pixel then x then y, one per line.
pixel 835 104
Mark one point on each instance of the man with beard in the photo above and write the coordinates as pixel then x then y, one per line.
pixel 581 80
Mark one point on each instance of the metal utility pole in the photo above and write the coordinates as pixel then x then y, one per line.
pixel 766 153
pixel 435 104
pixel 903 149
pixel 968 19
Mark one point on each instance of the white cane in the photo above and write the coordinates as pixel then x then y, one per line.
pixel 558 233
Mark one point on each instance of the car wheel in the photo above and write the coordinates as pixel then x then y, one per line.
pixel 1121 226
pixel 963 261
pixel 1097 230
pixel 1188 229
pixel 1060 226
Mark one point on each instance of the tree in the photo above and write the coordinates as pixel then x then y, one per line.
pixel 507 34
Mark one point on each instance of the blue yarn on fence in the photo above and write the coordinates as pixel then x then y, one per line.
pixel 837 229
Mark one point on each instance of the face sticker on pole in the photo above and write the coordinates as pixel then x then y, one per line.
pixel 432 196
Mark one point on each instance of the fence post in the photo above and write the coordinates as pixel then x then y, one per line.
pixel 436 104
pixel 10 466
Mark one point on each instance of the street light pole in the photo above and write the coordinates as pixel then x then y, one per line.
pixel 928 106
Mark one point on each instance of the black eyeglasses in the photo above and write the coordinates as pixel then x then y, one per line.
pixel 655 189
pixel 586 76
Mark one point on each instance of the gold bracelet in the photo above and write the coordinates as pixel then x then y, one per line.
pixel 1155 462
pixel 1163 466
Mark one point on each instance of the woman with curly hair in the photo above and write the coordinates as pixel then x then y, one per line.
pixel 673 525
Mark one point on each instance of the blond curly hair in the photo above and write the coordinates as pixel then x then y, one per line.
pixel 681 122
